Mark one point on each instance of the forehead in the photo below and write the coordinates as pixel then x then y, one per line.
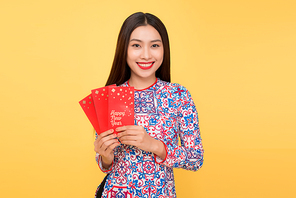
pixel 145 33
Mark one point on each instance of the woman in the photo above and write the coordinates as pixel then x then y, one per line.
pixel 141 158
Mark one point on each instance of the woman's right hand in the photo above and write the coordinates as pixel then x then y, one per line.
pixel 104 145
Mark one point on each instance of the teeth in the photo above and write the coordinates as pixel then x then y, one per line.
pixel 145 65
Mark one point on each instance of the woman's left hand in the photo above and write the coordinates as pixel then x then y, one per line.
pixel 136 136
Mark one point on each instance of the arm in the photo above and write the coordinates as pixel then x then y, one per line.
pixel 190 154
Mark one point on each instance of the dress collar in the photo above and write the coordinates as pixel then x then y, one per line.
pixel 144 88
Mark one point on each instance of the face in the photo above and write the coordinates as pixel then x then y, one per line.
pixel 145 52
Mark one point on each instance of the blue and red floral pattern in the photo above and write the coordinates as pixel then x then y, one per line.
pixel 166 111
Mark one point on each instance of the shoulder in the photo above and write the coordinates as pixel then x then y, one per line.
pixel 173 89
pixel 175 97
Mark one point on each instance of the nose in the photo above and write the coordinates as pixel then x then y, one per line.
pixel 146 54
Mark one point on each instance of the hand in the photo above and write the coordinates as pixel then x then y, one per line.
pixel 137 136
pixel 104 145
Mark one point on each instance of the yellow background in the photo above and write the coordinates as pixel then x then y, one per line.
pixel 236 57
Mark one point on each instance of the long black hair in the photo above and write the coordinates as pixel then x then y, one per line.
pixel 120 71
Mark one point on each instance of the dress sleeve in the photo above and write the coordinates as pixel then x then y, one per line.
pixel 188 155
pixel 99 162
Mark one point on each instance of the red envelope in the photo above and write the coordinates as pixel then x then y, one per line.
pixel 89 109
pixel 120 106
pixel 109 107
pixel 100 97
pixel 114 106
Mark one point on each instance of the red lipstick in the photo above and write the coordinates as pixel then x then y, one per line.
pixel 145 65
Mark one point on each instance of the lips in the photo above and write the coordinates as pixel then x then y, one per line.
pixel 145 65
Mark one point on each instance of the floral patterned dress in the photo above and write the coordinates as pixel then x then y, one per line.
pixel 167 112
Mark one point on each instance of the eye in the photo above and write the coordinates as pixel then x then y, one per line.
pixel 135 45
pixel 155 45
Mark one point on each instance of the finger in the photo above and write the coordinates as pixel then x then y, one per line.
pixel 128 138
pixel 127 127
pixel 111 147
pixel 105 136
pixel 130 142
pixel 99 141
pixel 122 128
pixel 129 133
pixel 105 146
pixel 103 143
pixel 106 140
pixel 106 133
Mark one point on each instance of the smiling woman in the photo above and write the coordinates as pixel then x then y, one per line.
pixel 140 159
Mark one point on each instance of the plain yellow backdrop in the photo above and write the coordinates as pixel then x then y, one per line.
pixel 236 57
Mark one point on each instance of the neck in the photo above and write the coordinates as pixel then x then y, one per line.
pixel 141 83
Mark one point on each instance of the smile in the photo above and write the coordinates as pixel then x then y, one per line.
pixel 145 65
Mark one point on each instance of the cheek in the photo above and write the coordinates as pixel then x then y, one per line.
pixel 159 55
pixel 132 55
pixel 131 58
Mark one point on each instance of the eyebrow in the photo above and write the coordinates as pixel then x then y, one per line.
pixel 157 40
